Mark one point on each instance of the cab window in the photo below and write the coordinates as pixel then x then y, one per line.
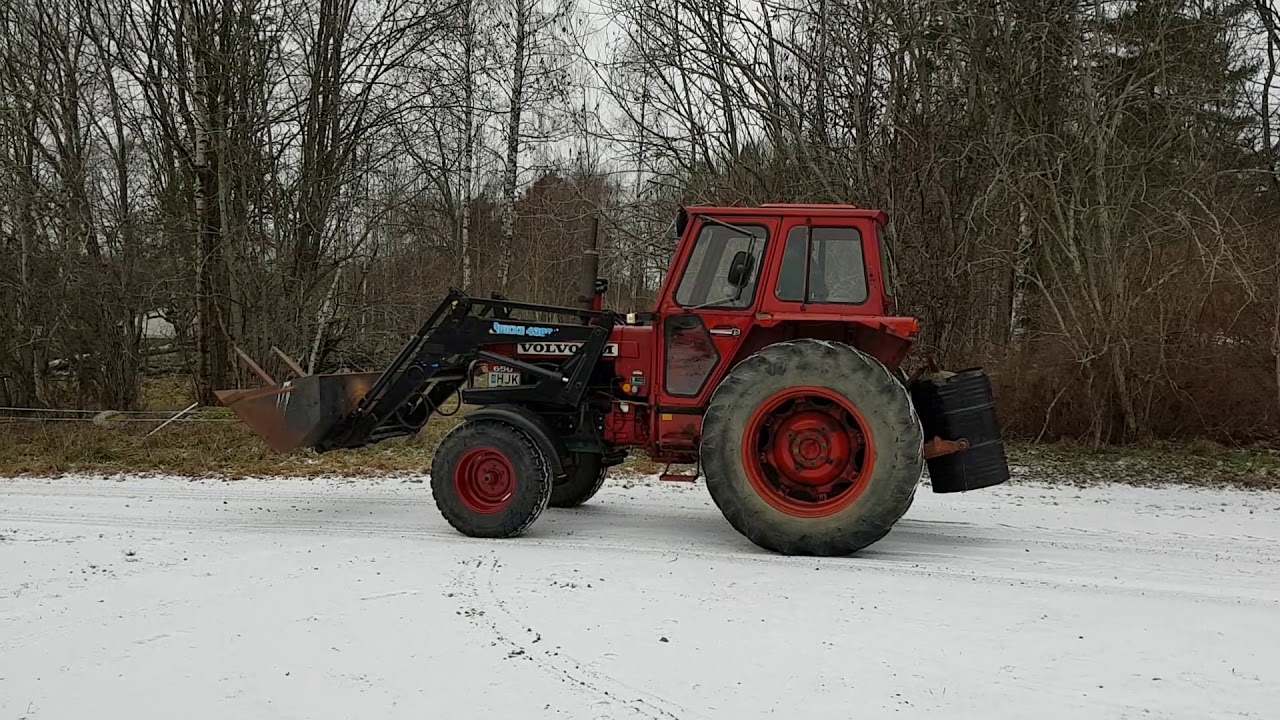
pixel 837 272
pixel 708 276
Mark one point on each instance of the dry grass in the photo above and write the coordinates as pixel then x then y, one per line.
pixel 1202 463
pixel 228 449
pixel 224 449
pixel 215 443
pixel 168 392
pixel 211 449
pixel 209 442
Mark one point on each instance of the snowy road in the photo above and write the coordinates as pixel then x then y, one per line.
pixel 167 598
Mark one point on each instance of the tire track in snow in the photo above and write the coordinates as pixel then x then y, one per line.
pixel 1245 547
pixel 93 619
pixel 328 498
pixel 203 491
pixel 79 618
pixel 337 521
pixel 966 551
pixel 475 582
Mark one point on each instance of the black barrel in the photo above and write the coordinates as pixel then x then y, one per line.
pixel 961 406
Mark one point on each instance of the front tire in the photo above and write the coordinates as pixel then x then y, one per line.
pixel 812 447
pixel 490 479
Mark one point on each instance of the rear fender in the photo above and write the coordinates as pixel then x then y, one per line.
pixel 530 422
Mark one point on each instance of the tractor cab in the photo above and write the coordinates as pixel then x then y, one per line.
pixel 743 278
pixel 724 252
pixel 763 274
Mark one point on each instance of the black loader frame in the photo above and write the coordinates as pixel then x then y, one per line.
pixel 342 411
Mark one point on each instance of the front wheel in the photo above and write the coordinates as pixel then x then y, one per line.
pixel 812 447
pixel 490 479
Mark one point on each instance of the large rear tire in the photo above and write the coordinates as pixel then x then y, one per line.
pixel 584 476
pixel 812 447
pixel 490 479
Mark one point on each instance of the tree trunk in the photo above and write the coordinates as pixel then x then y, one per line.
pixel 511 168
pixel 211 278
pixel 323 317
pixel 1020 281
pixel 1275 340
pixel 468 145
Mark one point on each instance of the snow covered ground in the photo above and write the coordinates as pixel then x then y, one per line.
pixel 173 598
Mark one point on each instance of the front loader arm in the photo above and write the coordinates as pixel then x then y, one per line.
pixel 349 410
pixel 438 359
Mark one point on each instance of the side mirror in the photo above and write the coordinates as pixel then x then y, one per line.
pixel 740 269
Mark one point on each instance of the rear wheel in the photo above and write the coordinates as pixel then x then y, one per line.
pixel 490 479
pixel 812 448
pixel 584 476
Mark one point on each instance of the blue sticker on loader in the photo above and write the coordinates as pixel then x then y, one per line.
pixel 522 330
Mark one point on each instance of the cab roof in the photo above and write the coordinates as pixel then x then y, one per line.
pixel 792 209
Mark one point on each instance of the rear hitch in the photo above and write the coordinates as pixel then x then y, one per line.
pixel 937 447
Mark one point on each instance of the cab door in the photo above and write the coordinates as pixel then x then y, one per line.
pixel 705 314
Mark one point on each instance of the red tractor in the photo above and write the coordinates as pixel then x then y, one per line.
pixel 772 360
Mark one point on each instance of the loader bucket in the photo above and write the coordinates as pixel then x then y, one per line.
pixel 298 413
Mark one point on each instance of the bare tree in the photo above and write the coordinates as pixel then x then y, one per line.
pixel 535 34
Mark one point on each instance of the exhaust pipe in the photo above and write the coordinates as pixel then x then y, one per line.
pixel 590 286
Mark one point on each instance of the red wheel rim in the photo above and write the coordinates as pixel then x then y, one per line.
pixel 808 452
pixel 485 480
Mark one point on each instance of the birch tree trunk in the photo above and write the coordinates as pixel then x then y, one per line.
pixel 468 141
pixel 1020 280
pixel 511 168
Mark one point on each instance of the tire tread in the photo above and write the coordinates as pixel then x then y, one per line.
pixel 533 492
pixel 883 401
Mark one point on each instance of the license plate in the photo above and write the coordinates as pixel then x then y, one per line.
pixel 503 376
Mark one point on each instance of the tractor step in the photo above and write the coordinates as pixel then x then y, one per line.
pixel 667 476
